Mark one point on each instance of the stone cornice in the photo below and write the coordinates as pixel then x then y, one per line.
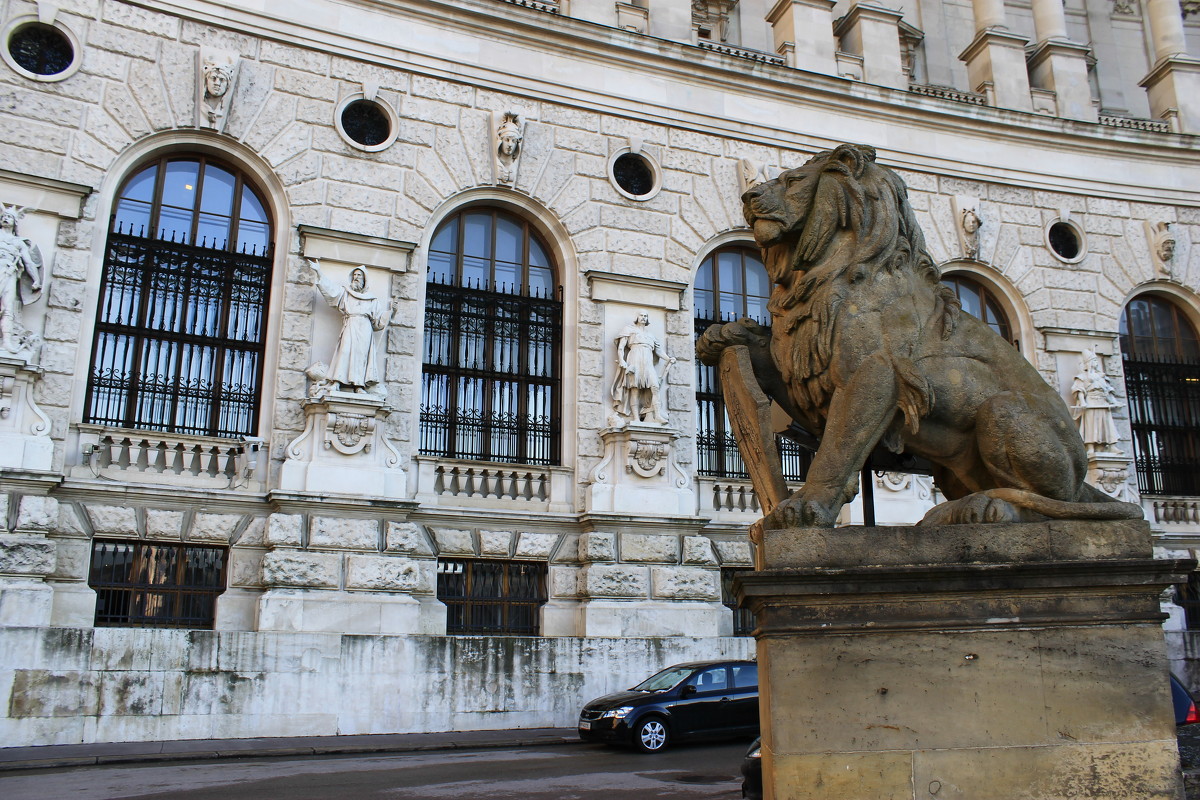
pixel 355 248
pixel 993 37
pixel 1180 63
pixel 1037 53
pixel 635 290
pixel 864 11
pixel 43 194
pixel 777 10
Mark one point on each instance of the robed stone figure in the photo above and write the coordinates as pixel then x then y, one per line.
pixel 354 366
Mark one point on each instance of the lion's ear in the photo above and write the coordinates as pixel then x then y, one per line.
pixel 854 157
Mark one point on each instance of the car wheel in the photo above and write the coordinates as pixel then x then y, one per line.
pixel 651 735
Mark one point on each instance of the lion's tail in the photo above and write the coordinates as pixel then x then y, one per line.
pixel 1091 508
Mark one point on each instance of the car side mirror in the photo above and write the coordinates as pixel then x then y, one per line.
pixel 688 690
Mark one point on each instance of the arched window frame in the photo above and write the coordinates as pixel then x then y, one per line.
pixel 1005 297
pixel 717 452
pixel 1162 389
pixel 446 428
pixel 153 256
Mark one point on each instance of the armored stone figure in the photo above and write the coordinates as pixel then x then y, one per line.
pixel 354 366
pixel 1092 404
pixel 636 392
pixel 21 279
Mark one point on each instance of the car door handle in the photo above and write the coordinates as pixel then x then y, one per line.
pixel 724 699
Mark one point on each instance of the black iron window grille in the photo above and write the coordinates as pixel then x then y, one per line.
pixel 154 585
pixel 743 618
pixel 183 304
pixel 491 596
pixel 1161 362
pixel 493 335
pixel 731 284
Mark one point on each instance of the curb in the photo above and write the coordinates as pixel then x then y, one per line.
pixel 59 762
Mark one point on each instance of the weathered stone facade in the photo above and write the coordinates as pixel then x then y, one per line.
pixel 334 542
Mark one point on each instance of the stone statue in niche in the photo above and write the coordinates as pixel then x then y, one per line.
pixel 22 277
pixel 867 348
pixel 1092 402
pixel 355 363
pixel 217 72
pixel 642 366
pixel 508 147
pixel 971 223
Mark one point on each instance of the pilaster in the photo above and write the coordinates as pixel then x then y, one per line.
pixel 1173 87
pixel 997 58
pixel 803 31
pixel 1061 67
pixel 873 32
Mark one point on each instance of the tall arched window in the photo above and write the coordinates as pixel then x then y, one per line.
pixel 1161 360
pixel 183 302
pixel 731 284
pixel 980 302
pixel 493 333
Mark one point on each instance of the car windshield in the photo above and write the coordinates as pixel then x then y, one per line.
pixel 667 679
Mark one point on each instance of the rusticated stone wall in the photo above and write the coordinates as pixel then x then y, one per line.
pixel 66 685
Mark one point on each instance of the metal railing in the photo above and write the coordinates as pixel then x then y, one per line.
pixel 1164 417
pixel 154 585
pixel 485 596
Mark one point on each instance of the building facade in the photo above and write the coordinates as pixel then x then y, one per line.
pixel 347 379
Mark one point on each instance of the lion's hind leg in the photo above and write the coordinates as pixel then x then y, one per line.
pixel 1028 444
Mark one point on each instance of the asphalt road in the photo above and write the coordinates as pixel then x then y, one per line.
pixel 571 772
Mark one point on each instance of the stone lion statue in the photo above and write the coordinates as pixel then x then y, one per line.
pixel 867 347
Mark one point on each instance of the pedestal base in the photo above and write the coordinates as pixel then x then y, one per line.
pixel 983 662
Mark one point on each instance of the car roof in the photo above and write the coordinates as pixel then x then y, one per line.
pixel 698 664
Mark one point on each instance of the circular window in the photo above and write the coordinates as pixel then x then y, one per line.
pixel 39 51
pixel 635 175
pixel 1065 240
pixel 366 124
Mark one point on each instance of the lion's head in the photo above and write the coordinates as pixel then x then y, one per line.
pixel 838 194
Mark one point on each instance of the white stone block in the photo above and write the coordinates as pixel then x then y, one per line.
pixel 650 548
pixel 217 528
pixel 683 583
pixel 615 580
pixel 597 547
pixel 3 512
pixel 536 545
pixel 255 533
pixel 698 550
pixel 381 573
pixel 291 568
pixel 453 542
pixel 495 543
pixel 283 530
pixel 344 534
pixel 74 605
pixel 162 524
pixel 69 523
pixel 25 603
pixel 113 520
pixel 407 537
pixel 564 581
pixel 36 513
pixel 734 553
pixel 72 558
pixel 26 555
pixel 245 567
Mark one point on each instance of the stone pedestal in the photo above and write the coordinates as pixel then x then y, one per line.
pixel 803 32
pixel 1062 68
pixel 987 662
pixel 996 59
pixel 343 449
pixel 1173 87
pixel 639 473
pixel 873 32
pixel 25 442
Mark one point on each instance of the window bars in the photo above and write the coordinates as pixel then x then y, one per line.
pixel 1164 416
pixel 492 596
pixel 156 585
pixel 490 381
pixel 743 618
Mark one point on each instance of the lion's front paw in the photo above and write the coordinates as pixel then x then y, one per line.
pixel 800 513
pixel 718 337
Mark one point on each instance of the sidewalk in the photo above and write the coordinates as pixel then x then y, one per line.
pixel 79 755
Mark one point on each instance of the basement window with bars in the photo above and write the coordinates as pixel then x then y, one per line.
pixel 156 585
pixel 743 618
pixel 181 320
pixel 492 596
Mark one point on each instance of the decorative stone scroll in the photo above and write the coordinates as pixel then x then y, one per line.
pixel 215 82
pixel 639 472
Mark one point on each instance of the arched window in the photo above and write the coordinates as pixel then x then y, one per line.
pixel 493 333
pixel 1161 360
pixel 183 302
pixel 980 302
pixel 731 284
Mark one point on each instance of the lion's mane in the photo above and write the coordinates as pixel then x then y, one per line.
pixel 845 190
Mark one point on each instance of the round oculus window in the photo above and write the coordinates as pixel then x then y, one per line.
pixel 366 123
pixel 633 174
pixel 1065 241
pixel 40 51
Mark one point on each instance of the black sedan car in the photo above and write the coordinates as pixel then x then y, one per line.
pixel 700 700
